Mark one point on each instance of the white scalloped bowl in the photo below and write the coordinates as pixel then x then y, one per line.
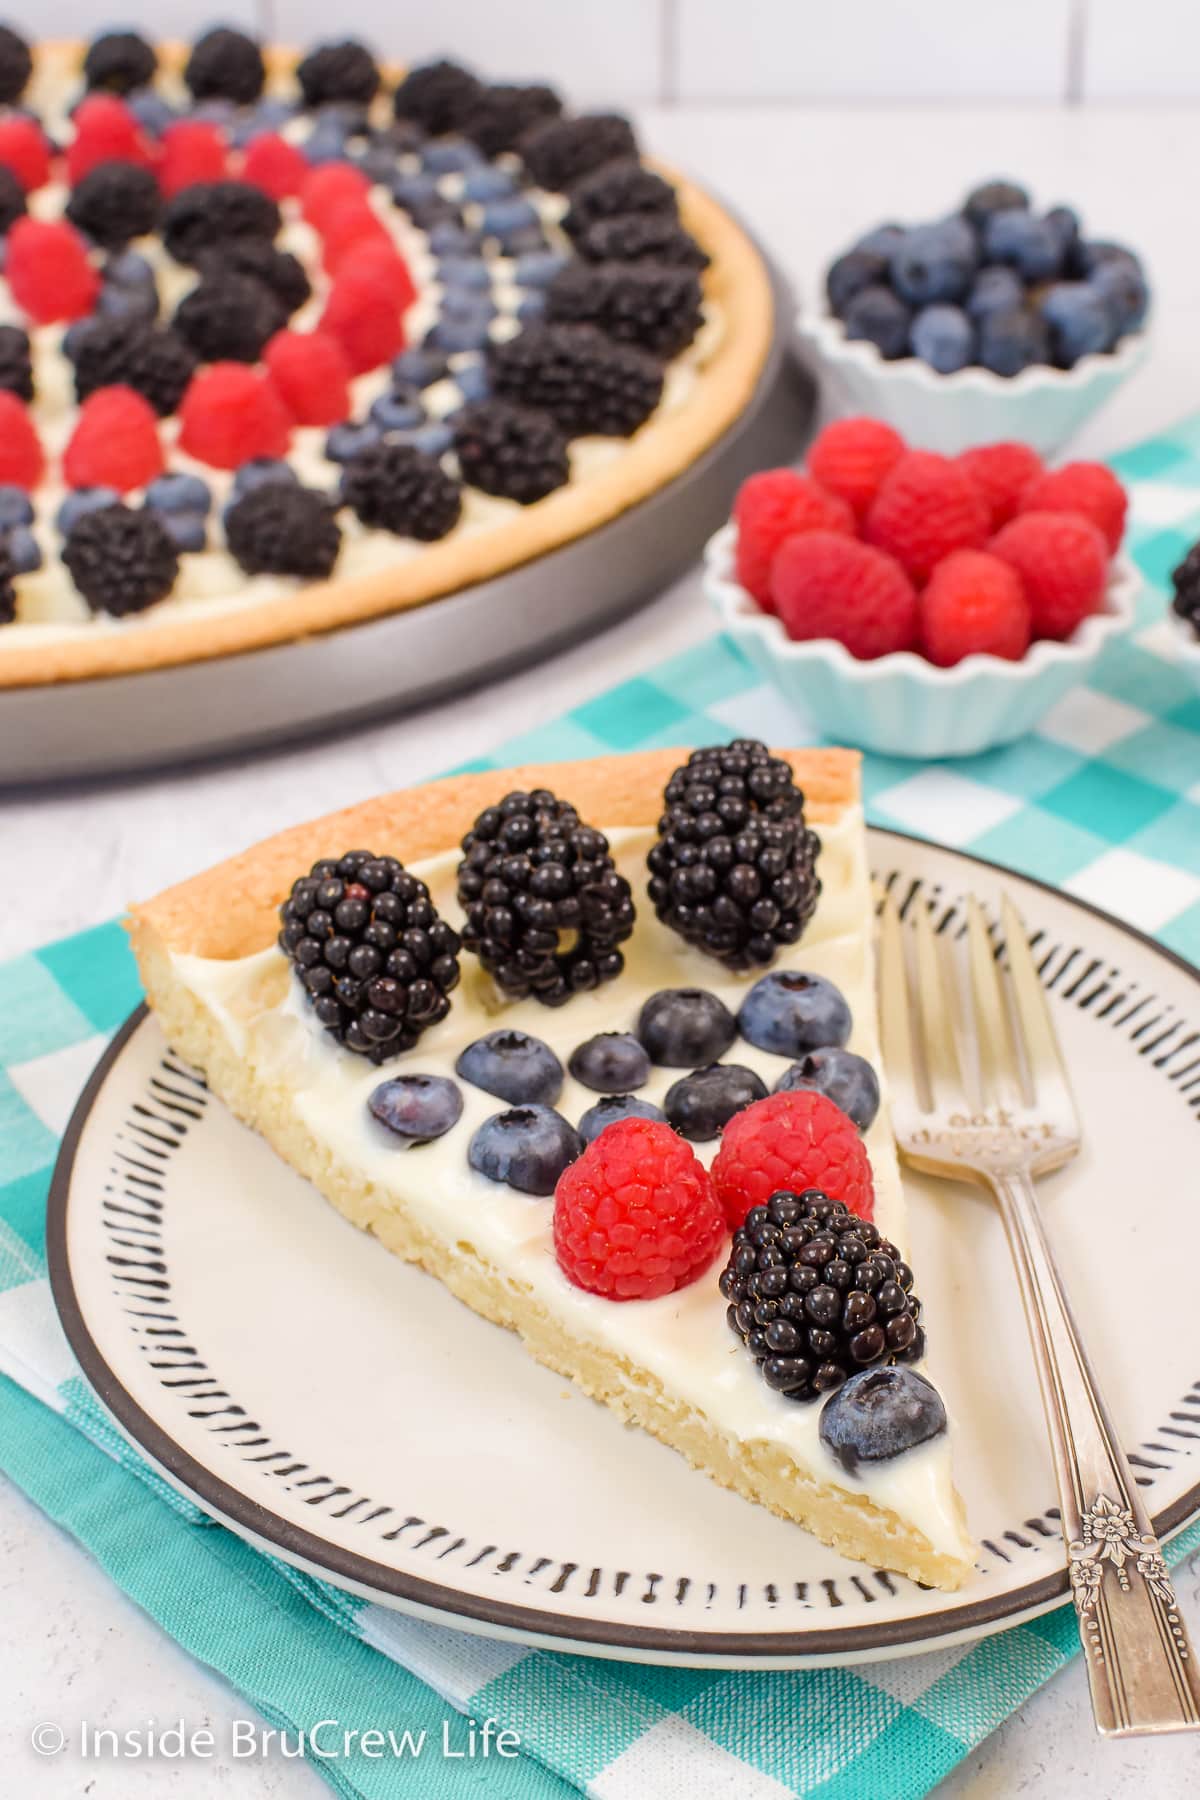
pixel 1041 406
pixel 901 705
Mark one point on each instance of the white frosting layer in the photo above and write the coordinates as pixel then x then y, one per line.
pixel 683 1339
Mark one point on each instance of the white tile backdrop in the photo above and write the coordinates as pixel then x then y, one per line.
pixel 737 50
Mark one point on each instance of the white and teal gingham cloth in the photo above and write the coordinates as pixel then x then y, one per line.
pixel 1104 801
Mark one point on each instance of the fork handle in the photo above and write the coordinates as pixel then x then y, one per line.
pixel 1142 1670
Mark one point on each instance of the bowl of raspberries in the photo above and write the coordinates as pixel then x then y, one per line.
pixel 923 605
pixel 998 321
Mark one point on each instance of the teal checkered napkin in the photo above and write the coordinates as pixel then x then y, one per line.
pixel 1104 801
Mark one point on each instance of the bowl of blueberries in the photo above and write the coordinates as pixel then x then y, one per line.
pixel 995 322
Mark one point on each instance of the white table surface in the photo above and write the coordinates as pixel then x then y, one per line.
pixel 808 180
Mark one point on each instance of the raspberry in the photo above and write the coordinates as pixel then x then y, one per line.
pixel 324 190
pixel 24 150
pixel 364 319
pixel 232 413
pixel 347 225
pixel 851 457
pixel 1001 472
pixel 311 372
pixel 21 459
pixel 105 131
pixel 48 271
pixel 192 151
pixel 827 586
pixel 1086 488
pixel 276 166
pixel 772 506
pixel 926 506
pixel 793 1140
pixel 114 443
pixel 973 602
pixel 379 263
pixel 635 1216
pixel 1063 564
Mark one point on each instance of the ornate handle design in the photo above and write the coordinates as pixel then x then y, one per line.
pixel 1143 1674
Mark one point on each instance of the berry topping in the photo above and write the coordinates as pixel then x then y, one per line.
pixel 121 560
pixel 700 1105
pixel 612 1062
pixel 771 507
pixel 375 960
pixel 612 1107
pixel 511 451
pixel 114 202
pixel 974 604
pixel 12 199
pixel 275 166
pixel 680 1028
pixel 439 97
pixel 544 906
pixel 513 1066
pixel 281 273
pixel 24 150
pixel 1086 488
pixel 80 502
pixel 880 1413
pixel 209 213
pixel 733 870
pixel 655 306
pixel 106 130
pixel 16 364
pixel 48 270
pixel 119 61
pixel 21 459
pixel 8 592
pixel 789 1012
pixel 816 1294
pixel 394 487
pixel 312 374
pixel 326 189
pixel 333 72
pixel 1185 589
pixel 229 318
pixel 527 1148
pixel 635 1217
pixel 851 457
pixel 794 1140
pixel 581 378
pixel 363 316
pixel 926 506
pixel 1062 561
pixel 416 1108
pixel 114 443
pixel 180 494
pixel 562 151
pixel 156 363
pixel 501 114
pixel 281 528
pixel 1001 472
pixel 641 237
pixel 16 65
pixel 618 190
pixel 225 65
pixel 848 1080
pixel 191 151
pixel 230 413
pixel 823 585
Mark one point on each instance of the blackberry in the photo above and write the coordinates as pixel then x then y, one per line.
pixel 438 97
pixel 510 450
pixel 114 202
pixel 376 962
pixel 281 528
pixel 119 61
pixel 338 72
pixel 655 306
pixel 616 189
pixel 16 364
pixel 1185 580
pixel 155 361
pixel 16 66
pixel 501 114
pixel 12 199
pixel 225 65
pixel 815 1294
pixel 121 560
pixel 8 592
pixel 531 875
pixel 733 870
pixel 641 237
pixel 562 151
pixel 211 212
pixel 277 269
pixel 229 318
pixel 581 378
pixel 394 487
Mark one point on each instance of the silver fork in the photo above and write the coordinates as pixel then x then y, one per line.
pixel 979 1091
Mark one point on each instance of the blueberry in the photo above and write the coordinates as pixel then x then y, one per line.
pixel 680 1028
pixel 466 330
pixel 417 1107
pixel 790 1012
pixel 129 268
pixel 151 111
pixel 82 501
pixel 396 412
pixel 878 317
pixel 451 239
pixel 993 197
pixel 883 241
pixel 935 262
pixel 996 288
pixel 419 368
pixel 529 240
pixel 528 1148
pixel 878 1414
pixel 488 183
pixel 179 494
pixel 450 156
pixel 74 336
pixel 1011 341
pixel 850 274
pixel 325 143
pixel 1063 221
pixel 1079 321
pixel 538 269
pixel 700 1105
pixel 473 381
pixel 433 439
pixel 612 1062
pixel 469 272
pixel 345 441
pixel 531 307
pixel 1031 246
pixel 217 111
pixel 848 1080
pixel 614 1107
pixel 513 1066
pixel 24 551
pixel 269 115
pixel 1122 287
pixel 504 218
pixel 115 302
pixel 261 471
pixel 414 191
pixel 943 337
pixel 187 531
pixel 377 162
pixel 16 508
pixel 1089 253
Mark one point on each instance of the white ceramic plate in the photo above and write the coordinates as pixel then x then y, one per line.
pixel 343 1410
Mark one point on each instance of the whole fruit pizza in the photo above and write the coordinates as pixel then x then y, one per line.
pixel 288 342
